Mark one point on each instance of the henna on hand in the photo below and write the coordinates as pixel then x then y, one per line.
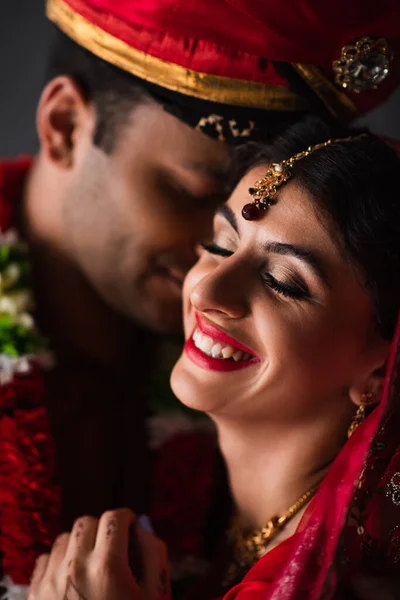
pixel 111 527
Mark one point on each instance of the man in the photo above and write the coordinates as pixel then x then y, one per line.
pixel 133 160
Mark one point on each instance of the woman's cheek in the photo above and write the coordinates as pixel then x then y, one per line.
pixel 194 276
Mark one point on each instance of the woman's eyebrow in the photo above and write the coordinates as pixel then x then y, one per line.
pixel 225 211
pixel 304 254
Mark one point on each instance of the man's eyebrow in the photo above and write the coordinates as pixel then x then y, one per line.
pixel 218 174
pixel 303 254
pixel 225 211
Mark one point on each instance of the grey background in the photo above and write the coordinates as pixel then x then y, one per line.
pixel 25 36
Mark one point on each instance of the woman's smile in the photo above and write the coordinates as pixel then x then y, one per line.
pixel 213 349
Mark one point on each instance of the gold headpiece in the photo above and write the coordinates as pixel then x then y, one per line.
pixel 264 190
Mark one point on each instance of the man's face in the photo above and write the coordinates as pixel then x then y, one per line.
pixel 132 218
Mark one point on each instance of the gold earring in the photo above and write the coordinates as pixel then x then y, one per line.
pixel 366 400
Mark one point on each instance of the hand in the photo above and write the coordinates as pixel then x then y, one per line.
pixel 91 563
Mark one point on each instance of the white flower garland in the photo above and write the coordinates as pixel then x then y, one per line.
pixel 12 591
pixel 20 340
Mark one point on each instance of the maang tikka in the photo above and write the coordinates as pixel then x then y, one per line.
pixel 264 190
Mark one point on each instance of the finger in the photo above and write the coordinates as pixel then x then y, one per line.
pixel 38 573
pixel 50 568
pixel 57 555
pixel 155 582
pixel 113 533
pixel 82 539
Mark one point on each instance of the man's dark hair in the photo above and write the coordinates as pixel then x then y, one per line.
pixel 113 92
pixel 355 188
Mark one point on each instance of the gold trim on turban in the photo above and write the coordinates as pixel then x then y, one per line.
pixel 214 88
pixel 339 105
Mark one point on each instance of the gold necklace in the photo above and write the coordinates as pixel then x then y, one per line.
pixel 250 547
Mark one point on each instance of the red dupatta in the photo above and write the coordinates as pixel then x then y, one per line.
pixel 352 527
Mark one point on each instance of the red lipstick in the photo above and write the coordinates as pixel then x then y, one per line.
pixel 220 336
pixel 209 363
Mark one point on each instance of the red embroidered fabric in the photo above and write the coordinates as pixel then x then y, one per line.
pixel 30 504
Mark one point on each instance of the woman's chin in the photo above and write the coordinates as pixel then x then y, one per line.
pixel 190 390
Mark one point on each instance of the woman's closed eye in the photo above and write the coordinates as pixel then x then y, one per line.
pixel 295 288
pixel 214 248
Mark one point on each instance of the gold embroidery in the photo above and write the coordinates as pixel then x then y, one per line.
pixel 213 121
pixel 217 123
pixel 245 132
pixel 393 489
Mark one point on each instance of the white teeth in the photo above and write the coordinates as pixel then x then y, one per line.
pixel 216 349
pixel 206 344
pixel 227 352
pixel 197 339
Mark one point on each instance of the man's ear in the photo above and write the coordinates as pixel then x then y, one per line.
pixel 372 378
pixel 63 115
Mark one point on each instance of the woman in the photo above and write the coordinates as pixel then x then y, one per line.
pixel 289 314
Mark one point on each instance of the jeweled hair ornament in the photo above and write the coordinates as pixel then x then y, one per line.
pixel 264 190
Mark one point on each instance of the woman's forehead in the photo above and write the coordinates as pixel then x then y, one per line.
pixel 295 217
pixel 291 200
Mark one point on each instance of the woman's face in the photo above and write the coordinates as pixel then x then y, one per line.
pixel 280 290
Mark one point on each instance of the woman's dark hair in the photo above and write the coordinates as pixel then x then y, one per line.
pixel 356 185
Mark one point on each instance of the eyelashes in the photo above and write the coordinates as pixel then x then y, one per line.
pixel 213 248
pixel 296 291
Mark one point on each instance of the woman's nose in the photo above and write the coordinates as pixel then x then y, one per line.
pixel 223 290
